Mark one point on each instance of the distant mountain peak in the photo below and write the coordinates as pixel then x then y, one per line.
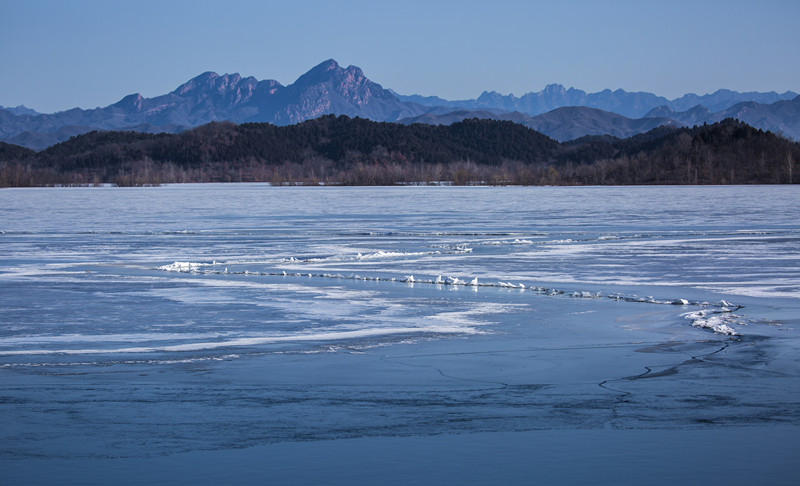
pixel 206 77
pixel 132 102
pixel 330 88
pixel 210 80
pixel 196 82
pixel 328 65
pixel 346 81
pixel 554 89
pixel 319 73
pixel 488 96
pixel 20 110
pixel 321 70
pixel 327 70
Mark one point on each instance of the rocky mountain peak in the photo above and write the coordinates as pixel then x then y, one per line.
pixel 132 102
pixel 198 82
pixel 228 88
pixel 319 73
pixel 20 110
pixel 349 83
pixel 489 96
pixel 552 89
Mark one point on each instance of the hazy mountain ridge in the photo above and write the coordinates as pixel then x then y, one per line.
pixel 331 89
pixel 562 124
pixel 781 116
pixel 19 110
pixel 629 104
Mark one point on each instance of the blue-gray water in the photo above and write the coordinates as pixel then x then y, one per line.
pixel 147 333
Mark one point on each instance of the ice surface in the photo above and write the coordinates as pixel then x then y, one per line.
pixel 268 317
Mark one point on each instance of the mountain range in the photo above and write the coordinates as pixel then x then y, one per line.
pixel 628 104
pixel 329 88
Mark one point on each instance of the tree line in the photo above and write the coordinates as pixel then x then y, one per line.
pixel 355 151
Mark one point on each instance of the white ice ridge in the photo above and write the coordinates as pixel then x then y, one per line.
pixel 516 241
pixel 217 269
pixel 184 266
pixel 393 254
pixel 717 320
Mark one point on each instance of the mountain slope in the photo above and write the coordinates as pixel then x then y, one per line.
pixel 694 116
pixel 781 117
pixel 562 124
pixel 574 121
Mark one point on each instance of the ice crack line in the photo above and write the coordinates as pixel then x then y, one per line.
pixel 504 385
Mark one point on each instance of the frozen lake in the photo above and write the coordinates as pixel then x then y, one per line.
pixel 213 333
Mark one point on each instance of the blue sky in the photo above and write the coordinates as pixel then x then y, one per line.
pixel 57 55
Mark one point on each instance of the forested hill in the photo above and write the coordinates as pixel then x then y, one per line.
pixel 9 152
pixel 341 150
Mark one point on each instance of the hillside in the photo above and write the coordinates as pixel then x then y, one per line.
pixel 342 150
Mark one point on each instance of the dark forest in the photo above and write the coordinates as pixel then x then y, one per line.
pixel 355 151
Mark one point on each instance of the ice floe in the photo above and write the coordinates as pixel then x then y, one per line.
pixel 718 320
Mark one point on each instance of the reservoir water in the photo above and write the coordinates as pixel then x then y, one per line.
pixel 249 333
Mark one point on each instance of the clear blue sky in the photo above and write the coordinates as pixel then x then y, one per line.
pixel 58 54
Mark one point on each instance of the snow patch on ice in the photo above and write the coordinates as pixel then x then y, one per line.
pixel 256 341
pixel 466 319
